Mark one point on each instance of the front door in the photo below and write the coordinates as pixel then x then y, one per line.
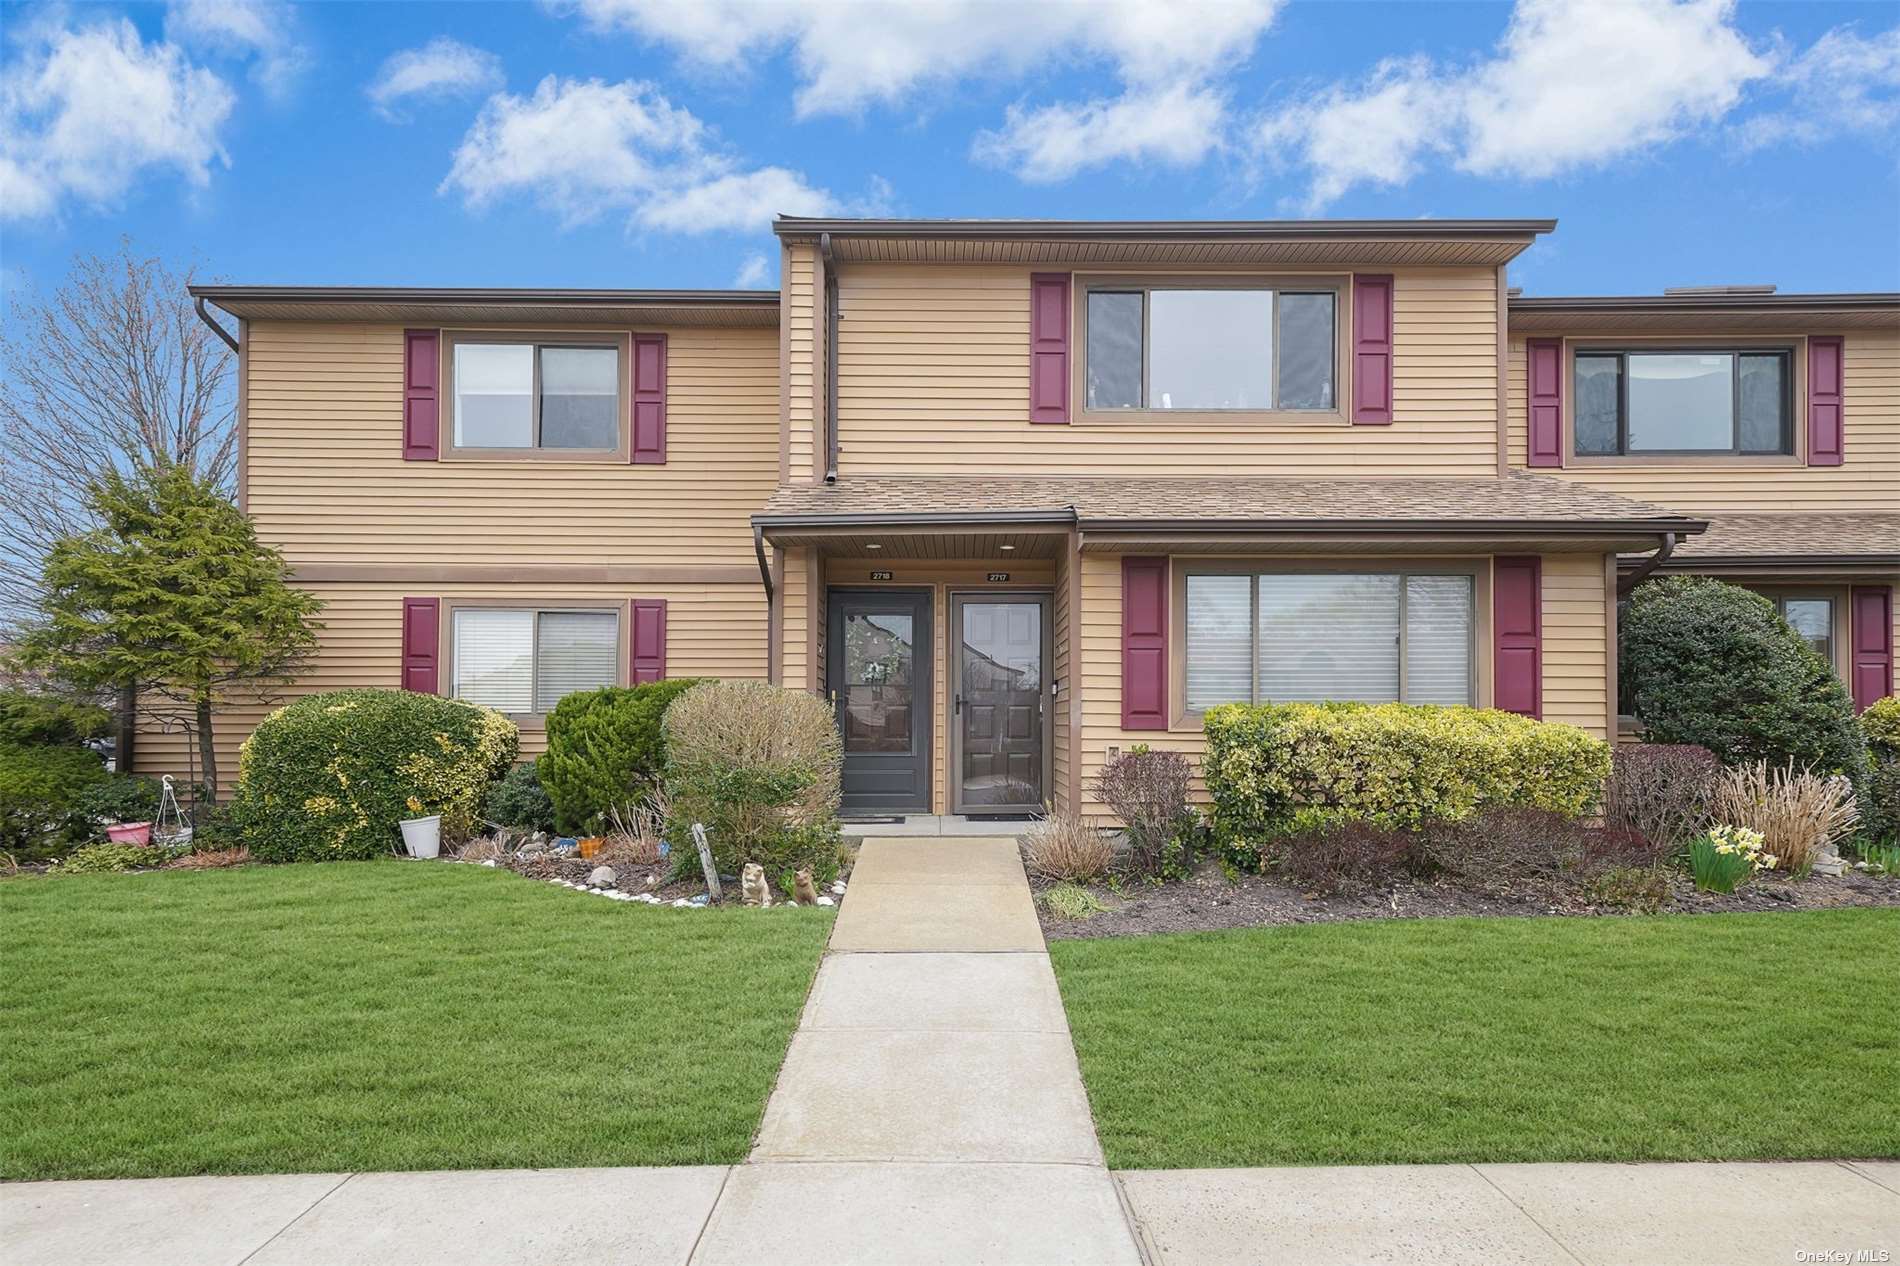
pixel 878 671
pixel 999 676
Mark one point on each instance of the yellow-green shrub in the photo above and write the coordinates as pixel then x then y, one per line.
pixel 1391 764
pixel 329 777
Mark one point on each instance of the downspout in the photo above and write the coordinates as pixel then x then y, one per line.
pixel 771 602
pixel 765 568
pixel 1650 564
pixel 831 359
pixel 204 315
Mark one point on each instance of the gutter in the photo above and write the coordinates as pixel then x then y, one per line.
pixel 1188 230
pixel 1376 527
pixel 441 294
pixel 204 315
pixel 1626 583
pixel 831 358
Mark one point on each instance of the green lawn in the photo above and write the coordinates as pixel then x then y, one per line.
pixel 382 1016
pixel 1663 1038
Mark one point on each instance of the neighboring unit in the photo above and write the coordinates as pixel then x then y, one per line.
pixel 1020 494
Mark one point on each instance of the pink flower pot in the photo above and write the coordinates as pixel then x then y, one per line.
pixel 130 833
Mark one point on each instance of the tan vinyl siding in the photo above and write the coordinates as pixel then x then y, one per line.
pixel 1061 623
pixel 795 631
pixel 934 379
pixel 327 481
pixel 1868 479
pixel 711 631
pixel 800 297
pixel 1576 642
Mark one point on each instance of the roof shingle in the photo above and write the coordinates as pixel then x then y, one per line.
pixel 1867 537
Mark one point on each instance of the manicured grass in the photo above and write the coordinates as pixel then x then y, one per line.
pixel 1666 1038
pixel 382 1015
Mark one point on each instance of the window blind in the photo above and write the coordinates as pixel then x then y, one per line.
pixel 1328 637
pixel 1219 641
pixel 576 650
pixel 1438 639
pixel 494 658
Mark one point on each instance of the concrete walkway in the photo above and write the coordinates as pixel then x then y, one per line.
pixel 930 1108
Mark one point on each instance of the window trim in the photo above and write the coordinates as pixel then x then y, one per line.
pixel 1840 627
pixel 1477 569
pixel 445 652
pixel 1338 285
pixel 1794 346
pixel 1735 354
pixel 620 341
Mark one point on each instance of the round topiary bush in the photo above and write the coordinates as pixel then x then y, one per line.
pixel 1714 664
pixel 606 747
pixel 329 777
pixel 519 801
pixel 1881 724
pixel 759 766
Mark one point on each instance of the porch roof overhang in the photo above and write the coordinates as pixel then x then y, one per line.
pixel 1704 313
pixel 1474 515
pixel 1812 545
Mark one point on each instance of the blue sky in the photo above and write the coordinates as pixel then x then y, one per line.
pixel 632 143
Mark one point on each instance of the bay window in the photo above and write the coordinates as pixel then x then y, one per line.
pixel 1226 348
pixel 525 660
pixel 1374 637
pixel 523 395
pixel 1630 403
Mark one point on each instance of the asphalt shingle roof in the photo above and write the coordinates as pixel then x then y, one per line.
pixel 1866 537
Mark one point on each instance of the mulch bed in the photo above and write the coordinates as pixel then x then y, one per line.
pixel 1209 901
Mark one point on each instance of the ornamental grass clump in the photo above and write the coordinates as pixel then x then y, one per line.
pixel 1066 847
pixel 1725 856
pixel 1798 815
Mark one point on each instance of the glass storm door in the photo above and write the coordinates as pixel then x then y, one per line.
pixel 878 674
pixel 1001 682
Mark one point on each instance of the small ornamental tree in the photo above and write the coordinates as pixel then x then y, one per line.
pixel 174 593
pixel 1713 664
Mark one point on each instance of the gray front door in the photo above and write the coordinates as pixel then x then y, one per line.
pixel 878 671
pixel 999 734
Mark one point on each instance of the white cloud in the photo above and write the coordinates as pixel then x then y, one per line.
pixel 753 272
pixel 442 68
pixel 262 30
pixel 581 148
pixel 852 54
pixel 1177 126
pixel 1569 86
pixel 84 113
pixel 1844 84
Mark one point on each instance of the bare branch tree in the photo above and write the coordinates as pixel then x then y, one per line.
pixel 113 370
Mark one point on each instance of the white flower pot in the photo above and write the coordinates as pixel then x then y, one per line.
pixel 423 836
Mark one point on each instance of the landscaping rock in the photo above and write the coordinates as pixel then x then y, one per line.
pixel 603 877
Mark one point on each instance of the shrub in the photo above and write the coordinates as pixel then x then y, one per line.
pixel 121 798
pixel 1064 846
pixel 759 766
pixel 1390 764
pixel 1880 802
pixel 519 802
pixel 1661 791
pixel 1528 852
pixel 1713 664
pixel 40 790
pixel 1798 815
pixel 1726 855
pixel 1880 724
pixel 40 720
pixel 1344 856
pixel 1148 790
pixel 329 777
pixel 605 748
pixel 101 858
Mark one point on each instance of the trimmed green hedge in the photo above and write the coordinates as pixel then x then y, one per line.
pixel 329 777
pixel 41 793
pixel 1391 764
pixel 1881 724
pixel 605 747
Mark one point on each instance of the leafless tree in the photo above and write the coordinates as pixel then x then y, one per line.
pixel 113 368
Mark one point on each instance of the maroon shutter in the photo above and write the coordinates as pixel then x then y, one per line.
pixel 1371 349
pixel 1826 443
pixel 1048 347
pixel 421 407
pixel 1544 373
pixel 1872 619
pixel 647 641
pixel 421 640
pixel 649 399
pixel 1517 631
pixel 1144 643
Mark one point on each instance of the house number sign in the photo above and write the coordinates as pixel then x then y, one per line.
pixel 880 575
pixel 998 577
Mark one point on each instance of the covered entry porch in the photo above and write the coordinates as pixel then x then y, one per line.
pixel 944 648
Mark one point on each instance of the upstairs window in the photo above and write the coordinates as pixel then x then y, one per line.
pixel 1227 349
pixel 1632 403
pixel 537 396
pixel 525 661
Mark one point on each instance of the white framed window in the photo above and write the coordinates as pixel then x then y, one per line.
pixel 1292 637
pixel 1210 348
pixel 536 395
pixel 524 660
